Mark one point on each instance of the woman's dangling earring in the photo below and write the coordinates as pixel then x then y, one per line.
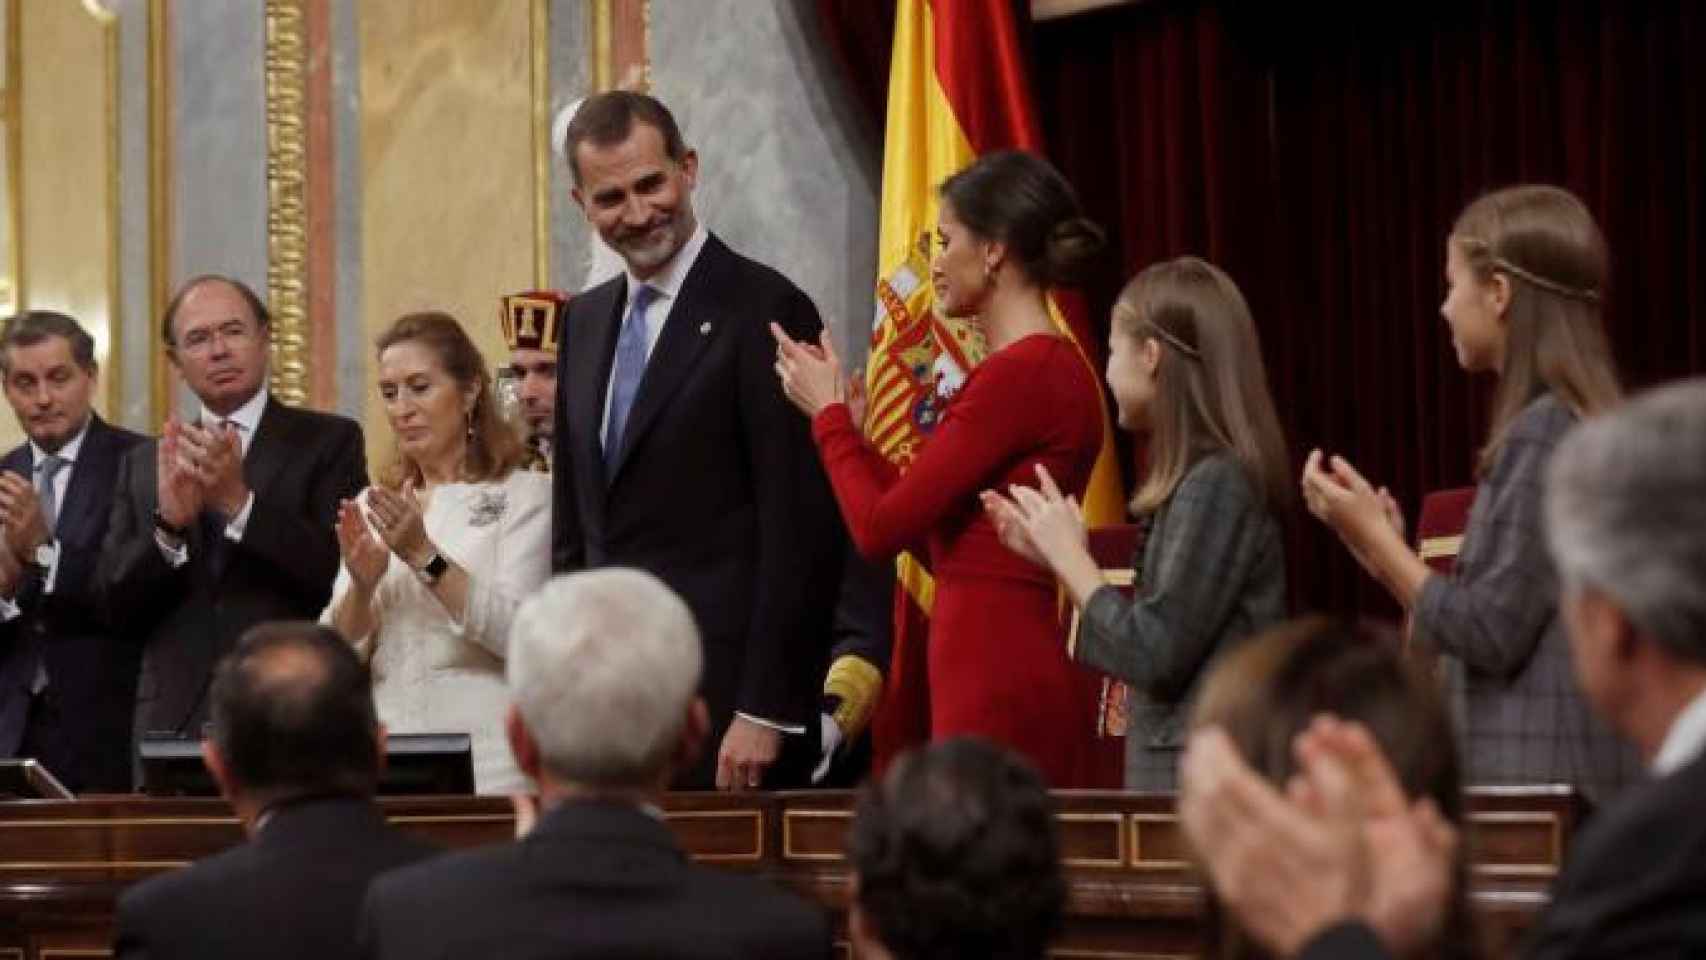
pixel 468 445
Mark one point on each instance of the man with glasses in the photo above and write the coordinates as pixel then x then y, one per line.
pixel 226 520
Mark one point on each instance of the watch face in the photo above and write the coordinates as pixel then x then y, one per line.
pixel 44 555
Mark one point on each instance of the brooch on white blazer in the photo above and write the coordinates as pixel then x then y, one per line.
pixel 487 508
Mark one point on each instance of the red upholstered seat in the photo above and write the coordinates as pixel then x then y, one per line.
pixel 1112 547
pixel 1439 530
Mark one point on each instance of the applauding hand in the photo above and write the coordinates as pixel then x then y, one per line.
pixel 811 375
pixel 1010 526
pixel 364 556
pixel 397 516
pixel 1053 523
pixel 180 493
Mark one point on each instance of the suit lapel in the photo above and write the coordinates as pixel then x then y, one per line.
pixel 692 323
pixel 269 449
pixel 95 466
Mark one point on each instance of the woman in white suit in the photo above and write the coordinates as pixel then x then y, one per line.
pixel 437 555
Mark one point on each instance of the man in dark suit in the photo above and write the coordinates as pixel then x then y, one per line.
pixel 227 520
pixel 1362 875
pixel 603 668
pixel 676 452
pixel 296 748
pixel 65 687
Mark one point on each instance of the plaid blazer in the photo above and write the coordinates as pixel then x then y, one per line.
pixel 1506 660
pixel 1212 572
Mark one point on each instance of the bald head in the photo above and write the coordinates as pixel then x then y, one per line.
pixel 293 713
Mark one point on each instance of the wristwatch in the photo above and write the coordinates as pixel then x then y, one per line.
pixel 44 555
pixel 433 569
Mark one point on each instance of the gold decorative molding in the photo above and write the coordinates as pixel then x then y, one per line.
pixel 287 197
pixel 603 67
pixel 621 32
pixel 108 21
pixel 159 200
pixel 540 42
pixel 14 157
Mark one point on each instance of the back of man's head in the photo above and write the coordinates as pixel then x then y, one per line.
pixel 604 669
pixel 1626 513
pixel 293 714
pixel 956 856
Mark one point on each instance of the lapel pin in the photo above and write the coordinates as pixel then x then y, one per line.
pixel 705 327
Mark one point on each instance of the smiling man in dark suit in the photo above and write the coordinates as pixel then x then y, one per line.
pixel 676 451
pixel 227 520
pixel 65 687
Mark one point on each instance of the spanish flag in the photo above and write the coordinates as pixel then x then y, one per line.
pixel 957 89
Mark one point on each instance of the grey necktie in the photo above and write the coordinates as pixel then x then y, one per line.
pixel 46 472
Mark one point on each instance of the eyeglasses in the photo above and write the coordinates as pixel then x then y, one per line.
pixel 233 332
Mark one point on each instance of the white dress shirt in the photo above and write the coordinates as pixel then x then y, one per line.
pixel 667 285
pixel 1685 739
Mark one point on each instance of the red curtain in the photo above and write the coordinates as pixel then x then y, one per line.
pixel 1321 159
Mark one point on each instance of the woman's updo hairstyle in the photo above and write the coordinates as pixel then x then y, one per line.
pixel 1021 200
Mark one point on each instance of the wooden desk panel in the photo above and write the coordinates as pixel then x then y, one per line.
pixel 1131 890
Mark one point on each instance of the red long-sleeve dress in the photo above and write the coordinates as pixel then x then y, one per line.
pixel 997 664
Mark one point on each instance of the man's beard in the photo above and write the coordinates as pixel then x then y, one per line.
pixel 651 249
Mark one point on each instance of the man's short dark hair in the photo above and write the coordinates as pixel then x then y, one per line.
pixel 33 326
pixel 957 856
pixel 607 119
pixel 263 316
pixel 293 713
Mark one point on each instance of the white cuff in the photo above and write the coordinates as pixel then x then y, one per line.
pixel 782 727
pixel 831 742
pixel 8 609
pixel 52 575
pixel 234 529
pixel 176 556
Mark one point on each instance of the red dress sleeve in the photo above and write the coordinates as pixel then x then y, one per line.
pixel 990 424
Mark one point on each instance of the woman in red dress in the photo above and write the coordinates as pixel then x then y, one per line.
pixel 1008 229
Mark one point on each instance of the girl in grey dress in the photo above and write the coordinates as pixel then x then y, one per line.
pixel 1185 369
pixel 1526 269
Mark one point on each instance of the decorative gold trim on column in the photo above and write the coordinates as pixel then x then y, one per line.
pixel 14 152
pixel 108 22
pixel 541 44
pixel 159 201
pixel 287 197
pixel 603 70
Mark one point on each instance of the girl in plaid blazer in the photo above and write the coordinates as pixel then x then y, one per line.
pixel 1185 368
pixel 1526 268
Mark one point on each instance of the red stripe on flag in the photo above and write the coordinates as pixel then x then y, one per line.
pixel 980 64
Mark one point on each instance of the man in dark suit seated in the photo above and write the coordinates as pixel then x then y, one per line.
pixel 1355 874
pixel 66 685
pixel 603 670
pixel 955 855
pixel 227 520
pixel 297 748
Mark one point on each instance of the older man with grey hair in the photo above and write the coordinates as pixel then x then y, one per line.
pixel 603 671
pixel 1626 521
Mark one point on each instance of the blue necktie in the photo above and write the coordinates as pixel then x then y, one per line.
pixel 629 367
